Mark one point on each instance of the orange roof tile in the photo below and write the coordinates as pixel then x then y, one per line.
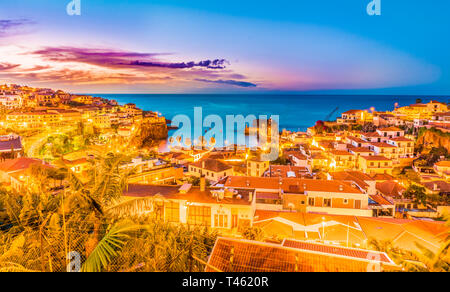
pixel 390 188
pixel 375 158
pixel 290 184
pixel 444 163
pixel 400 139
pixel 11 165
pixel 340 153
pixel 382 145
pixel 211 165
pixel 390 129
pixel 193 195
pixel 237 255
pixel 337 250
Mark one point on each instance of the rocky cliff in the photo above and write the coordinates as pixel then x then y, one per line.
pixel 434 138
pixel 150 134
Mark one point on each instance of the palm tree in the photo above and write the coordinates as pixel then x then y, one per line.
pixel 43 226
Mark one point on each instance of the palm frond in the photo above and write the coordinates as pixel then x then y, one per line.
pixel 110 246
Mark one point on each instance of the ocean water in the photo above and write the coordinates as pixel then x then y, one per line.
pixel 296 112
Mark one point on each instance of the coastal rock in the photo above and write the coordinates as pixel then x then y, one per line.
pixel 150 134
pixel 434 138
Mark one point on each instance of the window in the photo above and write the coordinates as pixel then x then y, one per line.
pixel 357 204
pixel 234 220
pixel 199 215
pixel 345 201
pixel 311 201
pixel 327 202
pixel 172 212
pixel 221 220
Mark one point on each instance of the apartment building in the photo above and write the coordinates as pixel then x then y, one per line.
pixel 306 195
pixel 375 164
pixel 212 169
pixel 218 208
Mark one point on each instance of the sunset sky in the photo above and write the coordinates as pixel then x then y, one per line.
pixel 205 46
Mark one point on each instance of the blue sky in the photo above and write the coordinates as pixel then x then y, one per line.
pixel 324 46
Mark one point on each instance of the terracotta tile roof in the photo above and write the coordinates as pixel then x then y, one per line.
pixel 382 177
pixel 438 186
pixel 354 176
pixel 340 153
pixel 289 184
pixel 193 195
pixel 356 139
pixel 382 145
pixel 372 135
pixel 444 163
pixel 360 150
pixel 237 255
pixel 442 114
pixel 211 165
pixel 296 154
pixel 351 112
pixel 390 188
pixel 318 156
pixel 390 129
pixel 400 139
pixel 12 165
pixel 337 250
pixel 375 158
pixel 380 200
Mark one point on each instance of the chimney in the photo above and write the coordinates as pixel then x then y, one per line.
pixel 202 183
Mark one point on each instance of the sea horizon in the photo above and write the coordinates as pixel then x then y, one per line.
pixel 296 112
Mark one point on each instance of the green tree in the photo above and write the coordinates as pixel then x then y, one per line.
pixel 416 193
